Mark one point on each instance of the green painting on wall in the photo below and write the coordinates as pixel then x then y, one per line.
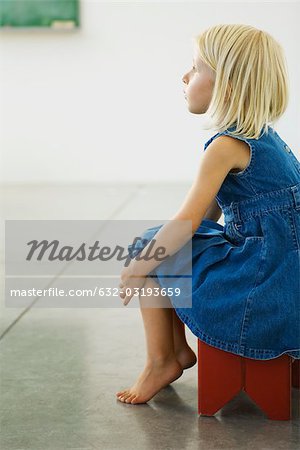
pixel 39 13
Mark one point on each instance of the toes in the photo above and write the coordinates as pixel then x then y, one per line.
pixel 118 394
pixel 128 399
pixel 127 395
pixel 121 395
pixel 136 400
pixel 124 395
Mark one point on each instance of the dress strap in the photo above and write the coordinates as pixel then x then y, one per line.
pixel 210 140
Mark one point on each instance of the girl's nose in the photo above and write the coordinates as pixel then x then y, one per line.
pixel 185 79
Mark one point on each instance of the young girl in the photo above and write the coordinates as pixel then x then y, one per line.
pixel 245 275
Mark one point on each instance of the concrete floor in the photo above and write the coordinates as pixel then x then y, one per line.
pixel 60 368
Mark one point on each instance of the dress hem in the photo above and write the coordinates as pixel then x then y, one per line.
pixel 246 352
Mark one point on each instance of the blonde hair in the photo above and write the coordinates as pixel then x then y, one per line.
pixel 251 79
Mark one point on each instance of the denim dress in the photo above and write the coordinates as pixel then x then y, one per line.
pixel 246 274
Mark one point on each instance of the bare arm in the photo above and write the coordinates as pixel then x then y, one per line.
pixel 214 211
pixel 219 158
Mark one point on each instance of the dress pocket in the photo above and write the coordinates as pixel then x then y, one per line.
pixel 247 230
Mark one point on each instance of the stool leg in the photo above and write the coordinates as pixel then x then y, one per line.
pixel 268 383
pixel 219 378
pixel 296 373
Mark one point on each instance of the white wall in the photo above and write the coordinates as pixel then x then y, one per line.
pixel 105 103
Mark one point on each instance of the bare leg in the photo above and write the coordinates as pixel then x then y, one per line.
pixel 184 354
pixel 161 366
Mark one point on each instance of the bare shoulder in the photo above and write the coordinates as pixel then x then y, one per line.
pixel 234 150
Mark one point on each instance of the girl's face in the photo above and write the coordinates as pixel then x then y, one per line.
pixel 199 83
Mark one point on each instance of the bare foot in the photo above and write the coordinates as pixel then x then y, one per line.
pixel 154 377
pixel 186 357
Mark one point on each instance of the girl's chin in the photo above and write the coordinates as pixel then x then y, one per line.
pixel 194 111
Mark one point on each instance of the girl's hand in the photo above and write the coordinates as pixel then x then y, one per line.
pixel 129 283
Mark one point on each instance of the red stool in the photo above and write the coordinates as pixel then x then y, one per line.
pixel 222 375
